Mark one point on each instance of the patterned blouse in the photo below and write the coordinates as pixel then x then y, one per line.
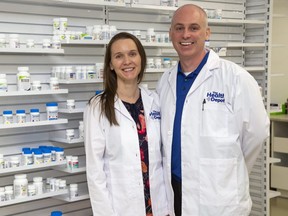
pixel 137 112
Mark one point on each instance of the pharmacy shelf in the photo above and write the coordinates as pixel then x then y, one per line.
pixel 30 93
pixel 31 198
pixel 68 111
pixel 156 70
pixel 31 167
pixel 31 51
pixel 66 170
pixel 82 81
pixel 85 42
pixel 236 21
pixel 34 124
pixel 63 140
pixel 273 194
pixel 82 194
pixel 156 44
pixel 81 169
pixel 236 44
pixel 254 69
pixel 274 160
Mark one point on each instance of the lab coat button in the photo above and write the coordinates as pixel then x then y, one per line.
pixel 169 132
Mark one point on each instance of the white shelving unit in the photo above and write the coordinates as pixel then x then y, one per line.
pixel 84 81
pixel 77 110
pixel 65 141
pixel 31 167
pixel 66 170
pixel 31 51
pixel 34 124
pixel 82 194
pixel 32 198
pixel 33 93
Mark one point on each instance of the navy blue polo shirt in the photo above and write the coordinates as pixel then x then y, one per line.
pixel 184 84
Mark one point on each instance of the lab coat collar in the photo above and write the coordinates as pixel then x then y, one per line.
pixel 207 71
pixel 147 100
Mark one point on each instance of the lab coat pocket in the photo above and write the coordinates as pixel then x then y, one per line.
pixel 218 182
pixel 121 184
pixel 214 120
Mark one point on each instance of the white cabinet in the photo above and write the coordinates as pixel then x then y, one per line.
pixel 279 150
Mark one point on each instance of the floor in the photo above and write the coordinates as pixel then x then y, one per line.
pixel 279 206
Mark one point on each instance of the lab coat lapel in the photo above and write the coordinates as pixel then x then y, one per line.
pixel 173 80
pixel 206 72
pixel 119 106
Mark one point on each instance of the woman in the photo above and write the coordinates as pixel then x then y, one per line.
pixel 122 137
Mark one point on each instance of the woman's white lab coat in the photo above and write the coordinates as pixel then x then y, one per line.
pixel 221 137
pixel 113 161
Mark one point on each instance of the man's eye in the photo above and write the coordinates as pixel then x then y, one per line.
pixel 179 28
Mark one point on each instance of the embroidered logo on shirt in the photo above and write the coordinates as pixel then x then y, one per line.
pixel 155 114
pixel 217 97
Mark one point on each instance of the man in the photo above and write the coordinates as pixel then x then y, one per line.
pixel 213 124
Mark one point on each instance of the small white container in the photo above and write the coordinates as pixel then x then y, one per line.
pixel 56 43
pixel 2 195
pixel 150 35
pixel 164 3
pixel 20 116
pixel 69 134
pixel 105 32
pixel 38 183
pixel 34 115
pixel 173 3
pixel 113 31
pixel 91 72
pixel 46 155
pixel 52 184
pixel 14 41
pixel 81 130
pixel 59 154
pixel 7 117
pixel 74 163
pixel 38 157
pixel 9 193
pixel 27 157
pixel 68 161
pixel 63 24
pixel 150 63
pixel 36 85
pixel 1 161
pixel 166 62
pixel 73 191
pixel 70 73
pixel 70 104
pixel 62 184
pixel 158 63
pixel 3 83
pixel 31 190
pixel 2 41
pixel 46 44
pixel 56 23
pixel 20 185
pixel 54 83
pixel 52 111
pixel 23 79
pixel 30 43
pixel 137 33
pixel 14 162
